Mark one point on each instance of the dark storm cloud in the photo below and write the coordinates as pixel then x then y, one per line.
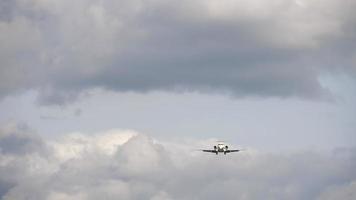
pixel 118 165
pixel 278 48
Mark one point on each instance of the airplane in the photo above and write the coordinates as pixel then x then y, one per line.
pixel 221 148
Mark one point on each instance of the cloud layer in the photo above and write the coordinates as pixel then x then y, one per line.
pixel 275 48
pixel 128 165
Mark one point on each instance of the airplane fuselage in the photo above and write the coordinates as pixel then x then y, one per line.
pixel 221 148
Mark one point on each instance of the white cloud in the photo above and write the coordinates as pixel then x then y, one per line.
pixel 141 168
pixel 75 145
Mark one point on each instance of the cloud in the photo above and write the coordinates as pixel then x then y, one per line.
pixel 347 192
pixel 15 140
pixel 120 164
pixel 242 48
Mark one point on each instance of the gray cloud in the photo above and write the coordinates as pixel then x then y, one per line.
pixel 236 47
pixel 16 140
pixel 128 165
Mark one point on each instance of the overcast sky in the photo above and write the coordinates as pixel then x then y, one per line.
pixel 108 98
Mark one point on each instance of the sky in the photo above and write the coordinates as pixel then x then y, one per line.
pixel 111 99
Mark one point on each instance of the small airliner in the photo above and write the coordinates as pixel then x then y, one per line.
pixel 221 148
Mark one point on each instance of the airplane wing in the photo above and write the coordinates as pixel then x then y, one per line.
pixel 210 151
pixel 233 150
